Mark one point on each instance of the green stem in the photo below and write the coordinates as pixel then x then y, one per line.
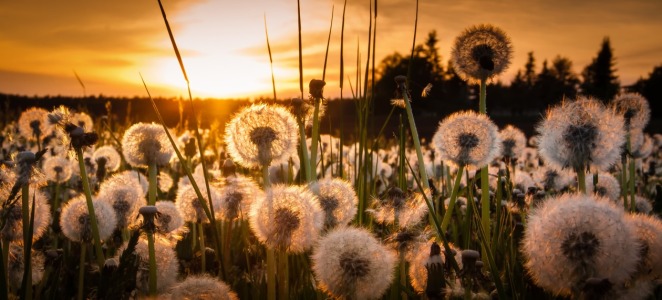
pixel 27 241
pixel 417 142
pixel 581 180
pixel 90 208
pixel 304 151
pixel 403 275
pixel 451 203
pixel 152 264
pixel 633 201
pixel 81 271
pixel 283 275
pixel 227 244
pixel 152 170
pixel 203 259
pixel 624 184
pixel 315 139
pixel 271 256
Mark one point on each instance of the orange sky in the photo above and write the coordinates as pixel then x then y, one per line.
pixel 107 43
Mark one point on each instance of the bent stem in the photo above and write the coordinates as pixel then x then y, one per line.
pixel 90 208
pixel 451 203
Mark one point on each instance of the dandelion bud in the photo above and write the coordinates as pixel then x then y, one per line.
pixel 316 88
pixel 148 212
pixel 469 258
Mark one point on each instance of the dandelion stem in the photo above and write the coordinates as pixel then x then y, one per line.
pixel 451 203
pixel 271 255
pixel 25 194
pixel 581 180
pixel 152 183
pixel 630 182
pixel 81 270
pixel 315 140
pixel 283 275
pixel 417 142
pixel 203 259
pixel 90 208
pixel 152 263
pixel 484 176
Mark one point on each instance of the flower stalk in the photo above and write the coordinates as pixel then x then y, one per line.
pixel 90 207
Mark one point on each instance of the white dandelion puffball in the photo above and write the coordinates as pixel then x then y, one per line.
pixel 33 122
pixel 125 197
pixel 13 224
pixel 407 210
pixel 580 134
pixel 135 177
pixel 575 237
pixel 260 135
pixel 648 230
pixel 468 139
pixel 235 197
pixel 607 187
pixel 189 206
pixel 169 218
pixel 82 120
pixel 481 52
pixel 108 157
pixel 550 178
pixel 633 108
pixel 57 169
pixel 338 200
pixel 202 287
pixel 16 266
pixel 514 142
pixel 167 266
pixel 349 263
pixel 75 219
pixel 287 218
pixel 144 144
pixel 422 257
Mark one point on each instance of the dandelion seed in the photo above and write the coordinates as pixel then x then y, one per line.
pixel 76 224
pixel 167 265
pixel 57 169
pixel 575 237
pixel 468 139
pixel 260 135
pixel 349 263
pixel 580 134
pixel 426 91
pixel 399 103
pixel 633 108
pixel 338 200
pixel 236 196
pixel 16 266
pixel 144 144
pixel 202 287
pixel 287 218
pixel 481 52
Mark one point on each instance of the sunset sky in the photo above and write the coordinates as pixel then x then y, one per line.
pixel 107 43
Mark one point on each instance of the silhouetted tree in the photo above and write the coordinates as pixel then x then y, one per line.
pixel 600 79
pixel 562 72
pixel 651 88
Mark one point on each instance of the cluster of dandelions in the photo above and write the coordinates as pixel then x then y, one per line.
pixel 589 225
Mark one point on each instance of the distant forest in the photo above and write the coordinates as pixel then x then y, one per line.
pixel 520 103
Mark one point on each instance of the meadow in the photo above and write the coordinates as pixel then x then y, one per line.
pixel 266 206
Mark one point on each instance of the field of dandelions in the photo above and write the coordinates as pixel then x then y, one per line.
pixel 270 208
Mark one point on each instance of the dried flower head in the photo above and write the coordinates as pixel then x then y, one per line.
pixel 550 178
pixel 633 108
pixel 75 219
pixel 167 266
pixel 57 169
pixel 144 144
pixel 287 218
pixel 202 287
pixel 13 224
pixel 107 157
pixel 236 196
pixel 467 138
pixel 481 52
pixel 33 123
pixel 425 255
pixel 514 142
pixel 16 266
pixel 125 196
pixel 260 135
pixel 607 187
pixel 338 200
pixel 575 237
pixel 349 263
pixel 581 133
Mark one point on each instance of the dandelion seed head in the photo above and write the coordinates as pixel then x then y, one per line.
pixel 550 178
pixel 13 226
pixel 189 206
pixel 468 139
pixel 287 218
pixel 110 155
pixel 169 218
pixel 82 120
pixel 124 196
pixel 75 219
pixel 16 266
pixel 167 266
pixel 202 287
pixel 574 237
pixel 33 122
pixel 350 263
pixel 57 169
pixel 481 52
pixel 408 210
pixel 134 177
pixel 607 187
pixel 581 133
pixel 634 108
pixel 236 196
pixel 144 144
pixel 425 255
pixel 338 200
pixel 648 230
pixel 514 142
pixel 260 135
pixel 164 182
